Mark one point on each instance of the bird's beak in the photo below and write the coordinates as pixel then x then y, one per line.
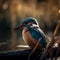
pixel 19 27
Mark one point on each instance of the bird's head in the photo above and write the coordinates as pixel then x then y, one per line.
pixel 28 21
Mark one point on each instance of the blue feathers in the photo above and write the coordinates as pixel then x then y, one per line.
pixel 28 20
pixel 36 34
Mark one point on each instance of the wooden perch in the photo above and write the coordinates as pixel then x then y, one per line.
pixel 24 54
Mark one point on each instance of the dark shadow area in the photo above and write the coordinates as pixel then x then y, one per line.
pixel 5 30
pixel 23 55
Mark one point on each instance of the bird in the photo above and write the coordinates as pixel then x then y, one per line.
pixel 32 33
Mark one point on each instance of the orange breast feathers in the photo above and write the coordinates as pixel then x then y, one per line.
pixel 29 39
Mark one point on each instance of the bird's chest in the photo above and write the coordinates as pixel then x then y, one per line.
pixel 28 38
pixel 26 35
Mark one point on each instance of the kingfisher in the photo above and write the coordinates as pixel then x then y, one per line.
pixel 31 33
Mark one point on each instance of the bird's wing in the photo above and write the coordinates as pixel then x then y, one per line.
pixel 37 34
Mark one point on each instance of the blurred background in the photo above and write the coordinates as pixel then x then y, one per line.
pixel 12 12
